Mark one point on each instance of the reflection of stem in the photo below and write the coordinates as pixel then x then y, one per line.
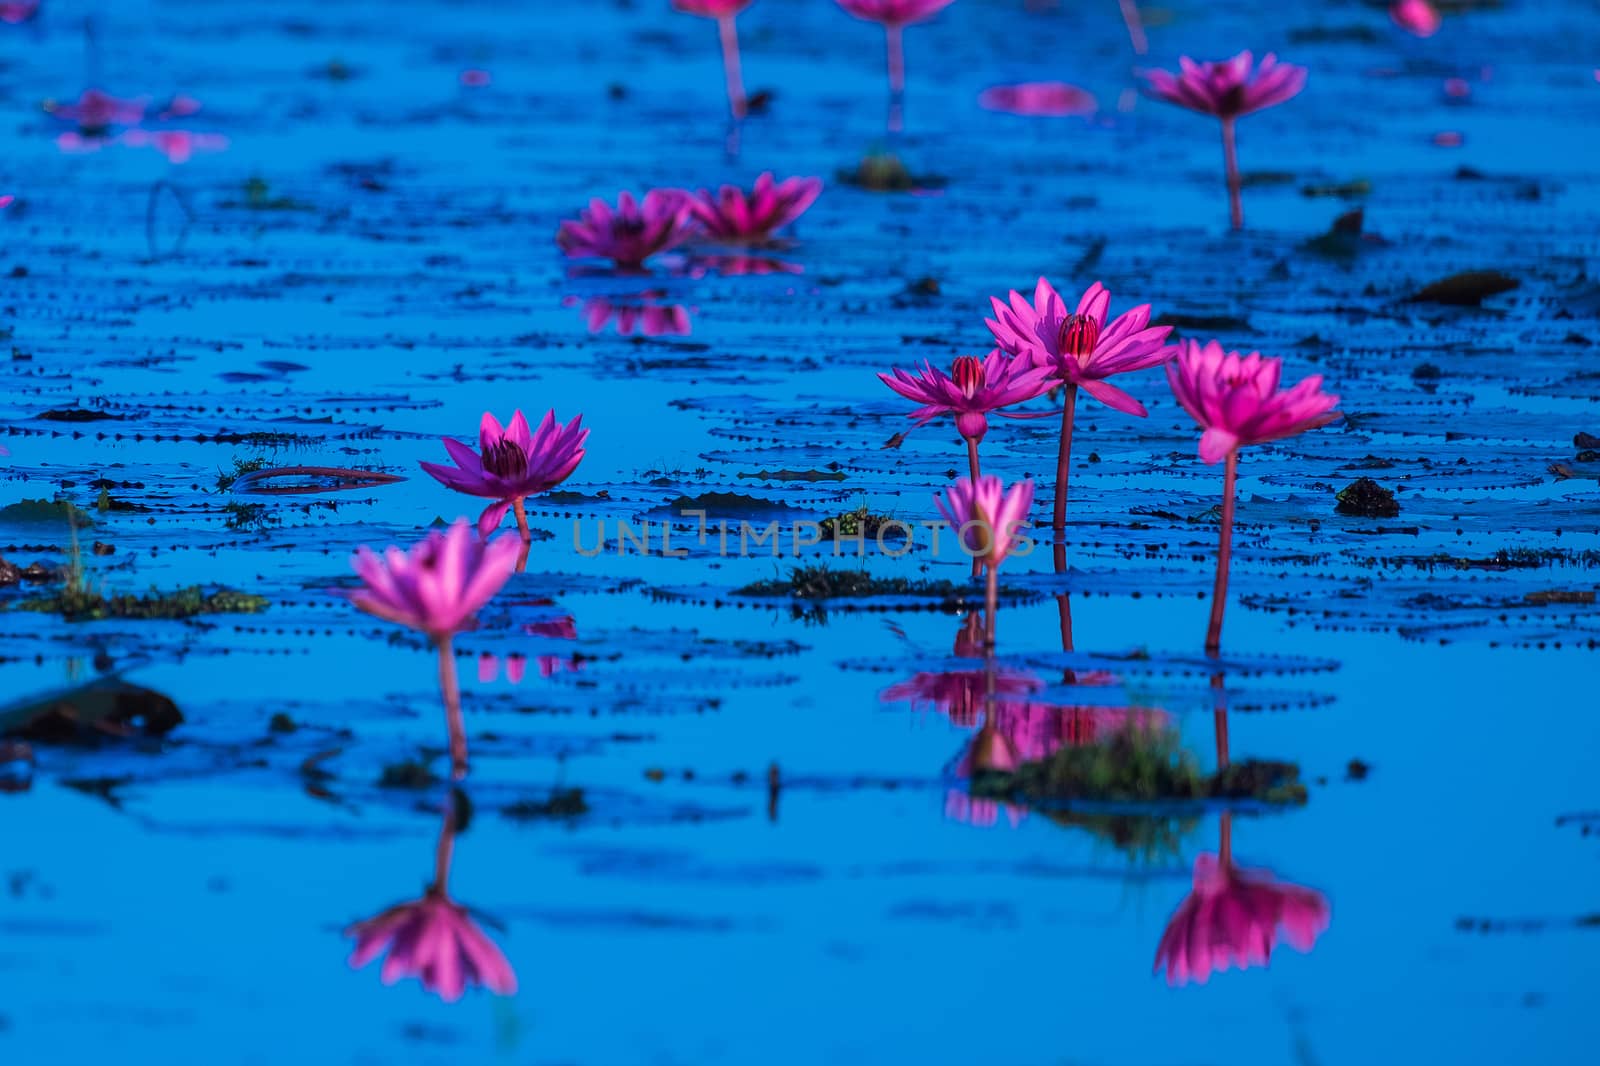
pixel 1220 704
pixel 1219 593
pixel 150 215
pixel 1230 159
pixel 991 601
pixel 447 845
pixel 1130 15
pixel 897 77
pixel 972 465
pixel 730 65
pixel 1064 461
pixel 1225 848
pixel 451 690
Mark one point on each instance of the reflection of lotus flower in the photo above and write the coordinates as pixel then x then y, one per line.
pixel 959 694
pixel 96 111
pixel 1233 918
pixel 1236 398
pixel 179 146
pixel 647 319
pixel 1045 98
pixel 736 266
pixel 1227 90
pixel 436 941
pixel 734 216
pixel 632 233
pixel 960 806
pixel 970 391
pixel 16 12
pixel 1022 731
pixel 512 464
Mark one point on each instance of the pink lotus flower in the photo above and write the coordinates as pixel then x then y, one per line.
pixel 632 233
pixel 439 585
pixel 1236 401
pixel 512 464
pixel 736 217
pixel 987 516
pixel 5 202
pixel 1417 17
pixel 1227 90
pixel 1044 98
pixel 970 391
pixel 1233 918
pixel 96 111
pixel 1236 398
pixel 724 11
pixel 1080 349
pixel 895 16
pixel 434 940
pixel 16 12
pixel 437 588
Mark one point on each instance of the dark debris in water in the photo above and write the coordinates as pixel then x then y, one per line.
pixel 91 714
pixel 1365 498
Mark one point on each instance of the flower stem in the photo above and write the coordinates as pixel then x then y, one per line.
pixel 1130 15
pixel 730 65
pixel 1230 159
pixel 447 846
pixel 1226 847
pixel 991 603
pixel 520 508
pixel 451 690
pixel 1219 592
pixel 972 458
pixel 1064 463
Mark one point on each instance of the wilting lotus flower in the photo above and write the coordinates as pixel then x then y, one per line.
pixel 988 519
pixel 1079 349
pixel 1227 90
pixel 895 15
pixel 16 12
pixel 437 588
pixel 96 112
pixel 1233 918
pixel 512 464
pixel 433 939
pixel 1237 402
pixel 1047 98
pixel 1417 17
pixel 725 12
pixel 632 233
pixel 971 390
pixel 733 216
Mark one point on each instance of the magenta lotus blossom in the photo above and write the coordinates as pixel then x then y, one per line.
pixel 632 233
pixel 437 588
pixel 895 16
pixel 96 112
pixel 433 939
pixel 1237 402
pixel 1052 99
pixel 16 12
pixel 734 216
pixel 1234 918
pixel 512 464
pixel 988 519
pixel 1228 90
pixel 1079 350
pixel 971 390
pixel 1417 17
pixel 725 12
pixel 5 202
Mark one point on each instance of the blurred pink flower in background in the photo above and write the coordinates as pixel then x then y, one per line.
pixel 179 146
pixel 1236 399
pixel 180 106
pixel 1233 918
pixel 895 12
pixel 473 78
pixel 1044 98
pixel 725 12
pixel 633 232
pixel 16 12
pixel 96 111
pixel 734 216
pixel 512 463
pixel 5 202
pixel 1417 17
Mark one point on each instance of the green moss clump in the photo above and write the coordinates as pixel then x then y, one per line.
pixel 76 603
pixel 820 582
pixel 1140 766
pixel 563 803
pixel 241 467
pixel 411 774
pixel 46 511
pixel 861 522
